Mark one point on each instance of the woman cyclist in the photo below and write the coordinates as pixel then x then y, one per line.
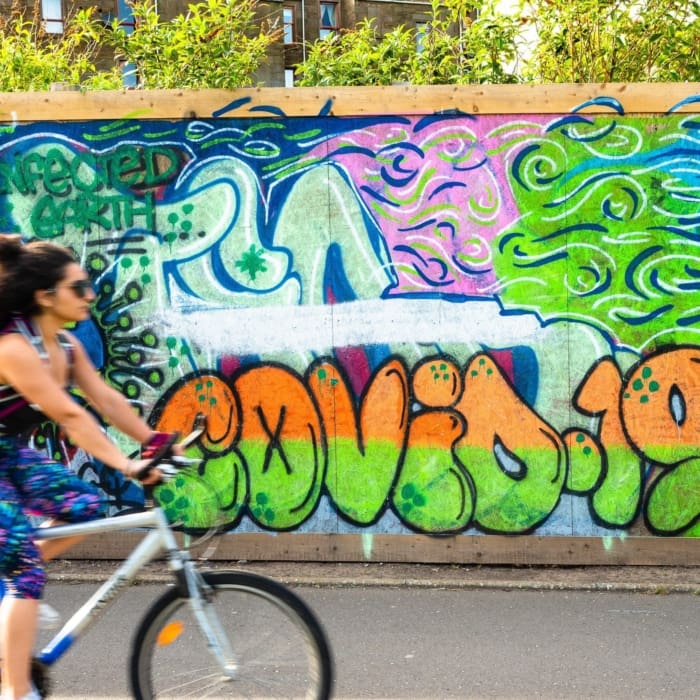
pixel 42 289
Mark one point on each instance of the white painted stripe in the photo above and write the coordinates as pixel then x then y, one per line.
pixel 318 328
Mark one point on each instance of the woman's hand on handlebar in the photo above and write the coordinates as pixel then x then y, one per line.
pixel 157 455
pixel 151 472
pixel 164 455
pixel 146 471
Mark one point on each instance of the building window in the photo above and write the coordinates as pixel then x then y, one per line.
pixel 288 24
pixel 288 77
pixel 329 18
pixel 52 16
pixel 107 12
pixel 422 29
pixel 128 24
pixel 126 15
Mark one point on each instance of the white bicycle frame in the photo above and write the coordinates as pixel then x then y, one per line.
pixel 160 539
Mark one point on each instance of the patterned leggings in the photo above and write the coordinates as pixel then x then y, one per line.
pixel 33 484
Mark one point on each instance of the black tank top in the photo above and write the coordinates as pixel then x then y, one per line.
pixel 17 415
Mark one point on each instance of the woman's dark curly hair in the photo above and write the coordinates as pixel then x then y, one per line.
pixel 25 269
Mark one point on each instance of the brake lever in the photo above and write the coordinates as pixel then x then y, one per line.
pixel 181 459
pixel 200 425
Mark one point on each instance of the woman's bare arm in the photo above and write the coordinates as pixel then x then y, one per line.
pixel 24 370
pixel 106 400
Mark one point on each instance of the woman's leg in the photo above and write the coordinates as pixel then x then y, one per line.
pixel 20 563
pixel 50 549
pixel 31 483
pixel 17 631
pixel 51 489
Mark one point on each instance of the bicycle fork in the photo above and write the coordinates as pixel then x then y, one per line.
pixel 200 594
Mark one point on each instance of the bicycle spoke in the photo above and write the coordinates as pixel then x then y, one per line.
pixel 280 650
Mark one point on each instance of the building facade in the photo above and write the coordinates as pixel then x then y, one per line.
pixel 305 21
pixel 302 21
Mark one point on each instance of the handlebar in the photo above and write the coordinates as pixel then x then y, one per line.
pixel 166 461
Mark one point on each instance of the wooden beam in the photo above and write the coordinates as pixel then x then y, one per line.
pixel 458 549
pixel 641 98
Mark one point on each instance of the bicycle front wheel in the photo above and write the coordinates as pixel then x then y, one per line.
pixel 280 649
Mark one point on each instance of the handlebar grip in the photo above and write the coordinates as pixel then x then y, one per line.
pixel 163 453
pixel 171 462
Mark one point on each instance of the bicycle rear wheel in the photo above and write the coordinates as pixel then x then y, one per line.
pixel 280 648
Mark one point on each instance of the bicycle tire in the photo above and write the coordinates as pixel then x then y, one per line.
pixel 280 647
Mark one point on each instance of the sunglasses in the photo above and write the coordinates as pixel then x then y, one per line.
pixel 81 288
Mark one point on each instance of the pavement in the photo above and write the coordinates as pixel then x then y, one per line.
pixel 631 578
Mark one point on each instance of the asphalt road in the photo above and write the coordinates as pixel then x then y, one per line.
pixel 437 643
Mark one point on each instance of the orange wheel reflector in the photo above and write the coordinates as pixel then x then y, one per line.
pixel 170 633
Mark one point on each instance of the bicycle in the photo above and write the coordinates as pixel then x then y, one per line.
pixel 223 634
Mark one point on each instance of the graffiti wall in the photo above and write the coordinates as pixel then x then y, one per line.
pixel 436 323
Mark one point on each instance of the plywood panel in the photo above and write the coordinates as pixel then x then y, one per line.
pixel 347 101
pixel 462 549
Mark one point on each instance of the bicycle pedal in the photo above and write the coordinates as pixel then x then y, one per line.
pixel 48 618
